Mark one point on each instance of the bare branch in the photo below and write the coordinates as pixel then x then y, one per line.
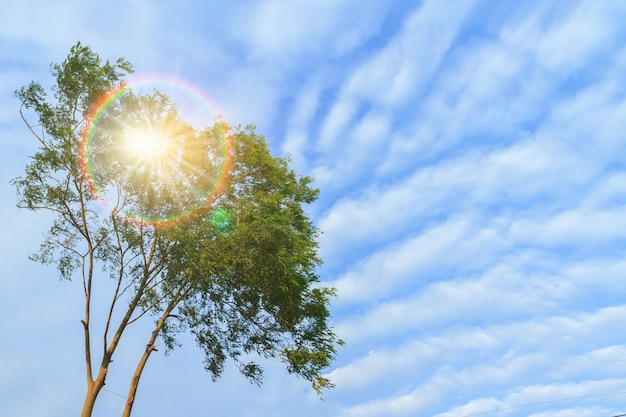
pixel 30 127
pixel 117 287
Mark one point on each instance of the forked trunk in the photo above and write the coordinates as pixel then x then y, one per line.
pixel 92 394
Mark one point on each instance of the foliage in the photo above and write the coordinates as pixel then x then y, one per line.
pixel 239 274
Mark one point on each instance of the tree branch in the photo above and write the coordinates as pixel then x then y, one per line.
pixel 120 277
pixel 40 139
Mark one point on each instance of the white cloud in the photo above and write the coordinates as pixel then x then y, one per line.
pixel 533 356
pixel 296 141
pixel 577 227
pixel 380 215
pixel 445 303
pixel 335 124
pixel 290 31
pixel 606 361
pixel 569 398
pixel 523 284
pixel 434 391
pixel 591 411
pixel 404 66
pixel 396 266
pixel 526 175
pixel 399 71
pixel 549 165
pixel 402 362
pixel 353 157
pixel 495 87
pixel 586 31
pixel 455 244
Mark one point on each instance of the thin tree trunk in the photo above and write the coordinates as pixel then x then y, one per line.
pixel 134 383
pixel 93 389
pixel 90 401
pixel 150 347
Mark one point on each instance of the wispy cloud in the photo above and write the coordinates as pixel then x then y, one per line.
pixel 384 82
pixel 501 355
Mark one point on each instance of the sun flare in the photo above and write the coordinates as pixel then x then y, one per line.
pixel 145 161
pixel 147 146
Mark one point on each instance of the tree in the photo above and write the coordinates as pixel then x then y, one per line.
pixel 238 271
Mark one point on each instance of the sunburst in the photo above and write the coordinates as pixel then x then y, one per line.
pixel 147 146
pixel 150 163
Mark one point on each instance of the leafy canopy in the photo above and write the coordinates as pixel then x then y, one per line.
pixel 239 273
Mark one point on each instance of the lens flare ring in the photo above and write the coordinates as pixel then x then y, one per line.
pixel 182 180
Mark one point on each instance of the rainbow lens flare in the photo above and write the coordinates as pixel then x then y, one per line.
pixel 146 156
pixel 223 220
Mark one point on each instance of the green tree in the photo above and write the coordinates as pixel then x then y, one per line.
pixel 238 273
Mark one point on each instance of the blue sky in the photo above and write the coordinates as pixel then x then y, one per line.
pixel 470 156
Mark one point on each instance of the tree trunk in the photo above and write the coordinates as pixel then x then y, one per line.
pixel 93 390
pixel 150 347
pixel 134 383
pixel 90 401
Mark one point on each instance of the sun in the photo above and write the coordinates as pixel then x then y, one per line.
pixel 147 146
